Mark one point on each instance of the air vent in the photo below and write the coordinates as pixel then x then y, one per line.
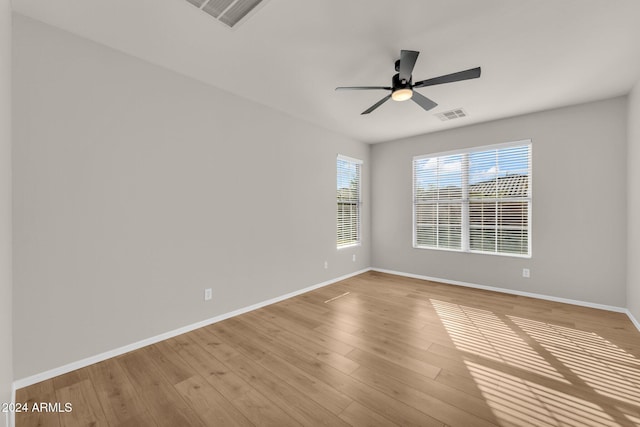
pixel 453 114
pixel 229 12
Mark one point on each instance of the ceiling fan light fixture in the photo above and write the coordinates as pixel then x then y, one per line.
pixel 402 94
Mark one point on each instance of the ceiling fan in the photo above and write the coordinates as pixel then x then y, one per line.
pixel 402 86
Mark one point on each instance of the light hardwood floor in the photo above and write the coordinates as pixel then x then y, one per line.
pixel 373 350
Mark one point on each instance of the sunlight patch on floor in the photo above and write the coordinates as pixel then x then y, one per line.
pixel 524 403
pixel 605 367
pixel 483 333
pixel 554 365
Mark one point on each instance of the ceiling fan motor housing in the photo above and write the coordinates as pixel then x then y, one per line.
pixel 397 83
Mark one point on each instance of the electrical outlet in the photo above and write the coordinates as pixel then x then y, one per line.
pixel 208 294
pixel 526 273
pixel 354 257
pixel 326 265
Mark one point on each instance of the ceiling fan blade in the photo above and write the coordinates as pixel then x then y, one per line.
pixel 363 87
pixel 376 105
pixel 423 101
pixel 472 73
pixel 407 62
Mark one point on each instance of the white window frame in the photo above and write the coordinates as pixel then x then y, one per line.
pixel 358 240
pixel 465 240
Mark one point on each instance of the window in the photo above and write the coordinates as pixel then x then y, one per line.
pixel 476 200
pixel 348 198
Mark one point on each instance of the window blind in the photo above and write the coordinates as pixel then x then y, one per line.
pixel 476 200
pixel 438 201
pixel 348 200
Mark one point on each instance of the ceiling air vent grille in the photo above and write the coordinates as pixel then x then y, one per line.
pixel 229 12
pixel 453 114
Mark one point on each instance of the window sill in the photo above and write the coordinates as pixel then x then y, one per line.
pixel 350 245
pixel 527 256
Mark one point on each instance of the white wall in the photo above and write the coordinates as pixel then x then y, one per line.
pixel 633 204
pixel 6 364
pixel 136 188
pixel 579 205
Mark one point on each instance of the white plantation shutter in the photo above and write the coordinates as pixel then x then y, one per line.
pixel 348 200
pixel 477 200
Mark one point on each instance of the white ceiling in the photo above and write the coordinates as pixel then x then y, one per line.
pixel 291 54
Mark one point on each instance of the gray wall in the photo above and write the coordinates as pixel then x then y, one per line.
pixel 633 205
pixel 6 364
pixel 136 188
pixel 579 205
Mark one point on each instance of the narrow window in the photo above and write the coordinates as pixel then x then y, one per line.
pixel 348 201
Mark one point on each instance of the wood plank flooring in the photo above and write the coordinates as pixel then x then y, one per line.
pixel 373 350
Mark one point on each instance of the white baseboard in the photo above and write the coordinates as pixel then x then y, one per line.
pixel 33 379
pixel 509 291
pixel 633 319
pixel 513 292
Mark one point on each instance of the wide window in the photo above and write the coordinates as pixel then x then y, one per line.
pixel 348 198
pixel 476 200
